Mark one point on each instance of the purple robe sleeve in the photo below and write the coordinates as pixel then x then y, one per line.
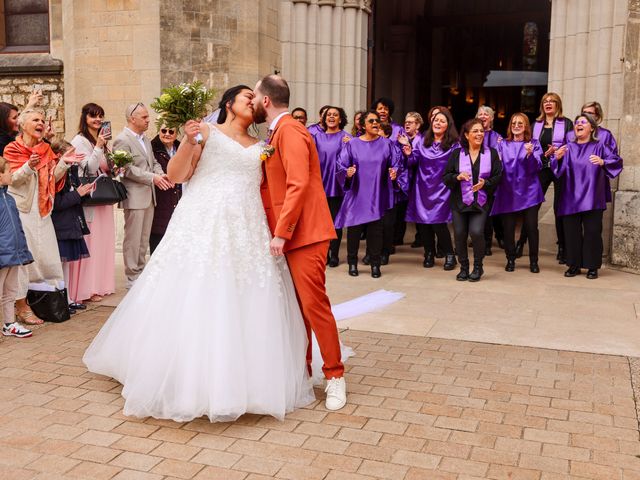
pixel 344 161
pixel 533 162
pixel 612 162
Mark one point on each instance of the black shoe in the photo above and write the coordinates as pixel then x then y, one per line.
pixel 392 250
pixel 440 253
pixel 592 273
pixel 72 311
pixel 572 272
pixel 519 249
pixel 375 271
pixel 511 265
pixel 464 271
pixel 334 262
pixel 450 262
pixel 366 259
pixel 487 251
pixel 534 268
pixel 77 306
pixel 477 272
pixel 353 270
pixel 384 259
pixel 500 243
pixel 428 260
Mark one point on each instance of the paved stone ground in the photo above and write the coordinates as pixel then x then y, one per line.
pixel 419 408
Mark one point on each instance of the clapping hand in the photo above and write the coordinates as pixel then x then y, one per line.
pixel 351 171
pixel 463 177
pixel 85 189
pixel 34 160
pixel 479 185
pixel 403 140
pixel 596 160
pixel 528 147
pixel 560 152
pixel 72 157
pixel 550 151
pixel 162 182
pixel 393 173
pixel 406 150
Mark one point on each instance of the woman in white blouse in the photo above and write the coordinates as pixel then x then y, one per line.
pixel 94 277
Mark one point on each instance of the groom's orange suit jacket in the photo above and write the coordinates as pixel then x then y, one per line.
pixel 292 192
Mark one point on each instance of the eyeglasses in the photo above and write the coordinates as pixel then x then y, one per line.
pixel 166 131
pixel 373 120
pixel 549 100
pixel 139 104
pixel 517 124
pixel 582 122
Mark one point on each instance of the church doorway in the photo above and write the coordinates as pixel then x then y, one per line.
pixel 461 54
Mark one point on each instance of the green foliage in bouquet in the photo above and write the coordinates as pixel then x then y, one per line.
pixel 120 158
pixel 179 103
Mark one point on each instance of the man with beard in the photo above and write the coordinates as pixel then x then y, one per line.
pixel 300 221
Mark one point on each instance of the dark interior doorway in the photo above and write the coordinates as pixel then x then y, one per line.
pixel 462 54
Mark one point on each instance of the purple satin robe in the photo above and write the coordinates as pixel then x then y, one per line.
pixel 369 193
pixel 429 196
pixel 395 131
pixel 314 128
pixel 491 139
pixel 559 134
pixel 520 186
pixel 329 146
pixel 583 185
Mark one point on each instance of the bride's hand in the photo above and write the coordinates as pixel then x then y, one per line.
pixel 191 130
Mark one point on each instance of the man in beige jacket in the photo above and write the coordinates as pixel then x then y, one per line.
pixel 140 178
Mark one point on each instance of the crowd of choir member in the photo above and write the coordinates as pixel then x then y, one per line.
pixel 384 174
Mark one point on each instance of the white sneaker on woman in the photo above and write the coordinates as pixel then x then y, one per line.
pixel 336 394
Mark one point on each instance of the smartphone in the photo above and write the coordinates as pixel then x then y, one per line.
pixel 105 129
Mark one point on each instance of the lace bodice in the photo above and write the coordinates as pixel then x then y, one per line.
pixel 220 217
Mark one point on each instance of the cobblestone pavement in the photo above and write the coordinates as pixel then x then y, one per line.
pixel 419 408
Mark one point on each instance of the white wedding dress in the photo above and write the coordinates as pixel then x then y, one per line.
pixel 212 326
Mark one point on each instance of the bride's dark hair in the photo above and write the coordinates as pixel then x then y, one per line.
pixel 227 100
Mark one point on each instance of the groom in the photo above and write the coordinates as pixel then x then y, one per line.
pixel 300 221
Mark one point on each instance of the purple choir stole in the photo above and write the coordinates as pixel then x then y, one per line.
pixel 558 132
pixel 466 186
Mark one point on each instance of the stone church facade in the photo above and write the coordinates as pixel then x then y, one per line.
pixel 117 52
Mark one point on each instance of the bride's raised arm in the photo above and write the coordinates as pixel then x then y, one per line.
pixel 183 163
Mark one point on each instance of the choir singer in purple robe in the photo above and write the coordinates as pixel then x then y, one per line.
pixel 519 192
pixel 472 174
pixel 367 169
pixel 550 129
pixel 329 141
pixel 428 196
pixel 582 167
pixel 385 108
pixel 316 127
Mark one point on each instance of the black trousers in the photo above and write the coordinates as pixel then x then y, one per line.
pixel 469 224
pixel 400 226
pixel 428 233
pixel 546 179
pixel 583 239
pixel 154 241
pixel 334 207
pixel 374 242
pixel 388 227
pixel 530 223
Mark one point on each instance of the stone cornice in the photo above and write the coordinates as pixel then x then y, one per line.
pixel 361 4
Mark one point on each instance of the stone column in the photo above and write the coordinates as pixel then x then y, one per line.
pixel 324 52
pixel 625 250
pixel 586 44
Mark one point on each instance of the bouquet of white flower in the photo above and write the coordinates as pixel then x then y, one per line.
pixel 179 103
pixel 119 160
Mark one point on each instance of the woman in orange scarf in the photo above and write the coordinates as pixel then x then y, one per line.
pixel 37 175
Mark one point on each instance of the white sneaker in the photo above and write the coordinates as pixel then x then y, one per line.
pixel 336 394
pixel 15 330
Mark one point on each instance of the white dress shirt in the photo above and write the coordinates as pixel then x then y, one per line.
pixel 140 139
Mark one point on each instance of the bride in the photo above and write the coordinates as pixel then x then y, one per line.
pixel 212 327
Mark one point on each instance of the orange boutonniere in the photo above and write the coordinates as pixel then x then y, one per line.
pixel 345 139
pixel 267 151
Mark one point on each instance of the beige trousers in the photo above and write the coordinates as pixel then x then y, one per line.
pixel 137 228
pixel 8 292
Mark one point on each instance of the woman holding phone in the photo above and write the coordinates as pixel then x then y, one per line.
pixel 94 277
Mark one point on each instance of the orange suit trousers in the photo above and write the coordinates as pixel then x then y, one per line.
pixel 307 265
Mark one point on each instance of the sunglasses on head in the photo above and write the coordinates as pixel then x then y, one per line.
pixel 139 104
pixel 169 131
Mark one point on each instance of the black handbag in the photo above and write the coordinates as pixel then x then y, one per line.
pixel 106 191
pixel 49 306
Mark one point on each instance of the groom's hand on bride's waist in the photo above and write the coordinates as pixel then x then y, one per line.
pixel 276 246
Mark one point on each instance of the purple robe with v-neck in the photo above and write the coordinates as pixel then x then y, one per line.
pixel 329 146
pixel 519 187
pixel 428 195
pixel 369 193
pixel 583 185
